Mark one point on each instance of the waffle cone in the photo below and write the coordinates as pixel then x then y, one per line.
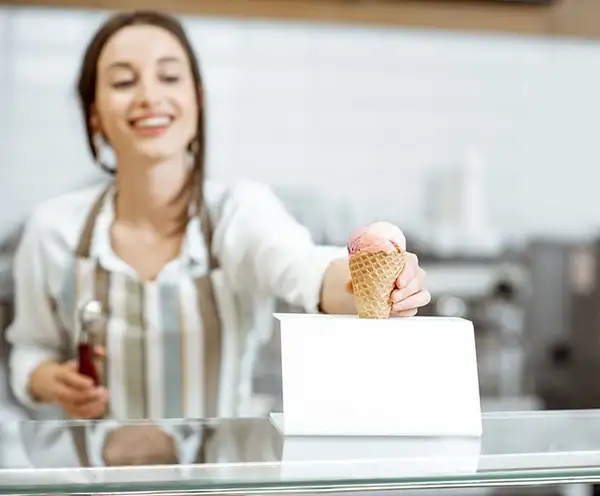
pixel 373 280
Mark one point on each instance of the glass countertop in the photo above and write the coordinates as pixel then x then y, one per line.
pixel 250 456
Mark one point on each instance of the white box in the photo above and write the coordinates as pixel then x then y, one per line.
pixel 343 375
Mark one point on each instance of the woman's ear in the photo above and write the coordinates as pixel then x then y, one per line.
pixel 94 122
pixel 96 128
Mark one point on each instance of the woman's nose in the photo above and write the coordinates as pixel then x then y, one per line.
pixel 148 91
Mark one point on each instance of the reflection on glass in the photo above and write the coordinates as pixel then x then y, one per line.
pixel 108 443
pixel 245 455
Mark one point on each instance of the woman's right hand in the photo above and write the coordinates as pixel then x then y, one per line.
pixel 63 384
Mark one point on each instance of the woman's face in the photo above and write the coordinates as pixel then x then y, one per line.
pixel 145 94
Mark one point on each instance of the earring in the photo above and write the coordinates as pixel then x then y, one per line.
pixel 193 147
pixel 103 149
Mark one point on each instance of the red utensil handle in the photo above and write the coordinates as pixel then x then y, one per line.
pixel 86 362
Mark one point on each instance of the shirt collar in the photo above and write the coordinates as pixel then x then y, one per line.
pixel 193 249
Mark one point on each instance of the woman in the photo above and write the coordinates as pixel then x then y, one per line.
pixel 183 273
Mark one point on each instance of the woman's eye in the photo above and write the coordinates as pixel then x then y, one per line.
pixel 122 84
pixel 170 79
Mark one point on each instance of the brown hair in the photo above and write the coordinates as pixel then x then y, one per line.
pixel 86 85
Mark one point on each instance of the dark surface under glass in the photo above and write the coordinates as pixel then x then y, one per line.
pixel 251 456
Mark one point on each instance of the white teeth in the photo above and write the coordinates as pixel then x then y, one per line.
pixel 151 122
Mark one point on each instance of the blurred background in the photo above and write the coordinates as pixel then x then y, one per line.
pixel 472 125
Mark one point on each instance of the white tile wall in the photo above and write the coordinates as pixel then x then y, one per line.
pixel 359 114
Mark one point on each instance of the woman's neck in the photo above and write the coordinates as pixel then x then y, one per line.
pixel 154 196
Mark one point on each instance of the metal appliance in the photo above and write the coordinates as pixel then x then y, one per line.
pixel 563 323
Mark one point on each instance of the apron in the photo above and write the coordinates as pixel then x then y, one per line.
pixel 184 353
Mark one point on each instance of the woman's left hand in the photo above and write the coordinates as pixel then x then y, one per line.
pixel 410 293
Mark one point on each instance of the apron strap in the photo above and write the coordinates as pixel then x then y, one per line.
pixel 80 441
pixel 101 292
pixel 211 322
pixel 209 310
pixel 202 452
pixel 207 230
pixel 85 240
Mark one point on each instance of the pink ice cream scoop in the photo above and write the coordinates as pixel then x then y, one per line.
pixel 377 237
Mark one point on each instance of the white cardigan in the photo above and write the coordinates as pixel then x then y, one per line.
pixel 263 252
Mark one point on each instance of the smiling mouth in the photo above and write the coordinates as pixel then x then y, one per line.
pixel 151 123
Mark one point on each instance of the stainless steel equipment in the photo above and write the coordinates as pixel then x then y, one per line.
pixel 562 324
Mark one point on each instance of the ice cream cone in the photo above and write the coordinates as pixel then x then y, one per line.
pixel 374 277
